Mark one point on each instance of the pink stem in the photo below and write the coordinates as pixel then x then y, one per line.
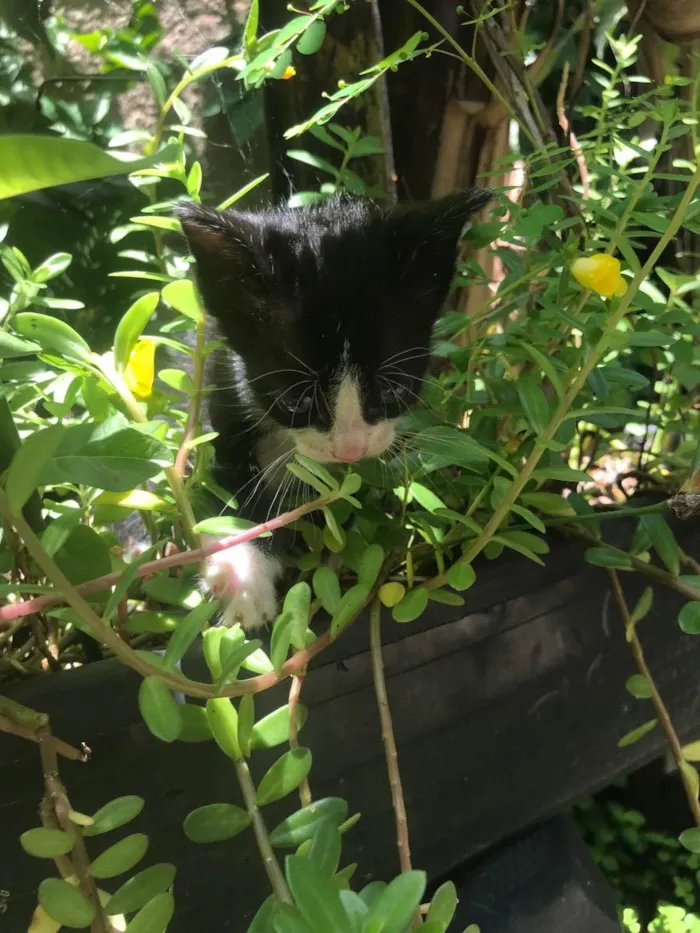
pixel 29 606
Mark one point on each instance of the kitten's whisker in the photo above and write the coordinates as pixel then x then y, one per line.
pixel 401 353
pixel 306 366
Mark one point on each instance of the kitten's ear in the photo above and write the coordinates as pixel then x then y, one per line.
pixel 231 269
pixel 425 237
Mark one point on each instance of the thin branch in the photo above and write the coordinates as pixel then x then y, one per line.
pixel 40 603
pixel 62 748
pixel 392 759
pixel 662 713
pixel 267 853
pixel 57 797
pixel 195 400
pixel 294 697
pixel 569 133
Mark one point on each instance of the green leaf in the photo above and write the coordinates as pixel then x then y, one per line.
pixel 461 576
pixel 350 604
pixel 319 471
pixel 11 346
pixel 636 734
pixel 444 446
pixel 526 540
pixel 534 403
pixel 64 903
pixel 302 824
pixel 689 618
pixel 273 729
pixel 187 632
pixel 178 379
pixel 370 565
pixel 46 843
pixel 28 462
pixel 351 484
pixel 287 919
pixel 159 710
pixel 32 162
pixel 443 906
pixel 393 909
pixel 297 602
pixel 233 657
pixel 690 839
pixel 306 476
pixel 138 891
pixel 411 606
pixel 131 326
pixel 640 688
pixel 281 639
pixel 52 334
pixel 285 775
pixel 182 296
pixel 549 503
pixel 250 30
pixel 154 917
pixel 195 725
pixel 312 38
pixel 84 556
pixel 114 814
pixel 246 721
pixel 643 606
pixel 211 646
pixel 215 823
pixel 318 902
pixel 325 848
pixel 663 541
pixel 546 365
pixel 529 517
pixel 95 455
pixel 52 267
pixel 223 722
pixel 226 525
pixel 120 857
pixel 446 597
pixel 327 589
pixel 564 473
pixel 602 557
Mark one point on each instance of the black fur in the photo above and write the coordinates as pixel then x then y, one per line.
pixel 296 294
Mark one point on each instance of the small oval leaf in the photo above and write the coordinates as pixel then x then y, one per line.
pixel 114 814
pixel 46 843
pixel 215 822
pixel 411 606
pixel 285 775
pixel 159 710
pixel 154 917
pixel 273 729
pixel 120 857
pixel 301 825
pixel 223 722
pixel 138 891
pixel 65 904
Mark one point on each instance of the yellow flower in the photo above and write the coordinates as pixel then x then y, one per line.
pixel 139 371
pixel 600 273
pixel 289 72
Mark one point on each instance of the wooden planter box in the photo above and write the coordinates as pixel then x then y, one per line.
pixel 506 711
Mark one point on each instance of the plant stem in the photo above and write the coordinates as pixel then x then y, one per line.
pixel 40 603
pixel 274 872
pixel 294 697
pixel 195 400
pixel 60 805
pixel 577 383
pixel 656 699
pixel 392 759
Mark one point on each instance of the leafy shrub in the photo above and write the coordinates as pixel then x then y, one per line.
pixel 570 369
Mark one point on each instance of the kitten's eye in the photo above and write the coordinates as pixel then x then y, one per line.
pixel 394 393
pixel 301 405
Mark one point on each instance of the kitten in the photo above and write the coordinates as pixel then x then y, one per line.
pixel 325 314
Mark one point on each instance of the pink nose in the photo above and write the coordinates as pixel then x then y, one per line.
pixel 349 453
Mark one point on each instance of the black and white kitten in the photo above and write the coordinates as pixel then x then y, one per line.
pixel 325 314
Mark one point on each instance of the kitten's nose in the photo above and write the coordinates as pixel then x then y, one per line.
pixel 349 453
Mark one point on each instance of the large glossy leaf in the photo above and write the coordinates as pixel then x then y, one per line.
pixel 104 457
pixel 26 466
pixel 131 327
pixel 318 902
pixel 31 162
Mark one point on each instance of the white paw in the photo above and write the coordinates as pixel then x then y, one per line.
pixel 243 578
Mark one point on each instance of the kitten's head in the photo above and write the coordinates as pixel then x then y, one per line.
pixel 329 310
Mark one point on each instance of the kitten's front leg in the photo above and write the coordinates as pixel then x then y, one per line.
pixel 244 578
